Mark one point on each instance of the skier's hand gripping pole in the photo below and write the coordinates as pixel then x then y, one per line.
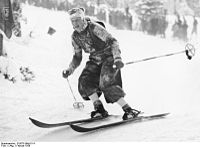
pixel 189 51
pixel 76 105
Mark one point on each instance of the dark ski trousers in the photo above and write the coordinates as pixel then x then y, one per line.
pixel 101 78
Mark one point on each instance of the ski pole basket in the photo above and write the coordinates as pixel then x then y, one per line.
pixel 76 105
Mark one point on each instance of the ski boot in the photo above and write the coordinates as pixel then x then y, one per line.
pixel 130 113
pixel 99 110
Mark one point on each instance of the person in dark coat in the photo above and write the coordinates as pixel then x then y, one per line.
pixel 6 21
pixel 194 29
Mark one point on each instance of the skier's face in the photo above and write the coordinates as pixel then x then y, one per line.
pixel 78 24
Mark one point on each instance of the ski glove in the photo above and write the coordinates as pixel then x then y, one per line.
pixel 118 64
pixel 66 73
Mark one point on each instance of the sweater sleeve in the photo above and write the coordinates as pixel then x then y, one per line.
pixel 105 36
pixel 77 57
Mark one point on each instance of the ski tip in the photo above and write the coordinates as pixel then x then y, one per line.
pixel 78 128
pixel 165 114
pixel 37 123
pixel 74 127
pixel 161 115
pixel 31 119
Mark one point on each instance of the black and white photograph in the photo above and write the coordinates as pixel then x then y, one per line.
pixel 124 71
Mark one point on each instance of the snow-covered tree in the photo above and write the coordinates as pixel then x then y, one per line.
pixel 195 6
pixel 149 8
pixel 152 15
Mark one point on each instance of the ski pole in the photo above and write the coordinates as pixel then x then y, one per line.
pixel 76 105
pixel 189 51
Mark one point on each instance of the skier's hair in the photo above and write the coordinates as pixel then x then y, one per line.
pixel 77 12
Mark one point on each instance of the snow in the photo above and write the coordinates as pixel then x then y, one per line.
pixel 169 84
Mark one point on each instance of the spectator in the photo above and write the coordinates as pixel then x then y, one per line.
pixel 17 14
pixel 194 29
pixel 6 21
pixel 184 30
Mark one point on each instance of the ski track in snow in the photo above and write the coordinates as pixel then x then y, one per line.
pixel 169 84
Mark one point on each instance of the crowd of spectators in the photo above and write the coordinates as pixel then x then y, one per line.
pixel 180 28
pixel 155 25
pixel 121 19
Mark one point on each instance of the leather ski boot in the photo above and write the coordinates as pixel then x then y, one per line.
pixel 129 112
pixel 99 110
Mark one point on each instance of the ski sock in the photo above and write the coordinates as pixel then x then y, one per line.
pixel 121 102
pixel 94 97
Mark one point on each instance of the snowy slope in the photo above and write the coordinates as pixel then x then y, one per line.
pixel 169 84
